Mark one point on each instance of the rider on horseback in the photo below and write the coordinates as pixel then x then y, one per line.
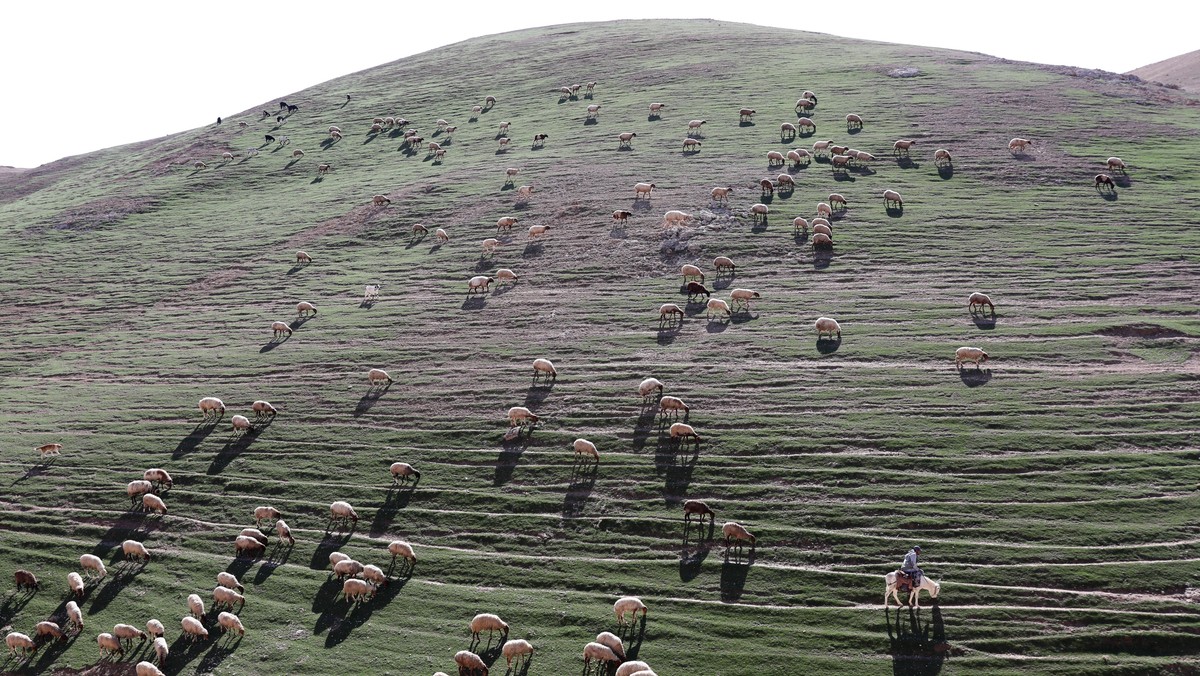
pixel 909 567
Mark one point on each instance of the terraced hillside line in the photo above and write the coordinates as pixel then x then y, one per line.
pixel 1053 490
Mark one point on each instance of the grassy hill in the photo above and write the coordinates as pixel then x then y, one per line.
pixel 1054 491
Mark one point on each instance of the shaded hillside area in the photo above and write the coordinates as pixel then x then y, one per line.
pixel 1182 71
pixel 1053 488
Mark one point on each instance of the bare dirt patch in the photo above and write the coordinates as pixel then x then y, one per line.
pixel 96 214
pixel 1141 331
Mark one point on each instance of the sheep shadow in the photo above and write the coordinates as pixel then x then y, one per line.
pixel 53 649
pixel 370 137
pixel 474 303
pixel 742 316
pixel 946 171
pixel 369 399
pixel 232 449
pixel 583 480
pixel 983 320
pixel 119 577
pixel 345 623
pixel 975 377
pixel 532 249
pixel 632 636
pixel 272 344
pixel 242 563
pixel 181 652
pixel 691 559
pixel 506 462
pixel 906 162
pixel 810 131
pixel 843 177
pixel 14 602
pixel 624 149
pixel 488 652
pixel 853 131
pixel 916 649
pixel 822 258
pixel 396 499
pixel 294 269
pixel 536 394
pixel 327 143
pixel 323 604
pixel 693 308
pixel 193 439
pixel 278 556
pixel 673 462
pixel 895 212
pixel 689 153
pixel 745 123
pixel 801 238
pixel 828 345
pixel 652 117
pixel 760 226
pixel 733 580
pixel 221 648
pixel 330 543
pixel 667 333
pixel 129 526
pixel 591 121
pixel 797 168
pixel 1109 195
pixel 717 325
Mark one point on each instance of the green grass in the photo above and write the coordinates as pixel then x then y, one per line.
pixel 1055 492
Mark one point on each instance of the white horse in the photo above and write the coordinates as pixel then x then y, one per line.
pixel 892 586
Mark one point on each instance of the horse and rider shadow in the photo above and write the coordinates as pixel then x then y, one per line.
pixel 918 647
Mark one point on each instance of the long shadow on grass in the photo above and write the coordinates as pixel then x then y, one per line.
pixel 192 440
pixel 52 650
pixel 278 556
pixel 733 578
pixel 917 649
pixel 645 425
pixel 974 377
pixel 368 400
pixel 221 648
pixel 828 345
pixel 38 469
pixel 396 499
pixel 632 636
pixel 13 603
pixel 674 462
pixel 506 462
pixel 536 394
pixel 583 480
pixel 181 652
pixel 232 449
pixel 692 556
pixel 344 617
pixel 328 545
pixel 119 577
pixel 129 526
pixel 822 258
pixel 984 320
pixel 946 171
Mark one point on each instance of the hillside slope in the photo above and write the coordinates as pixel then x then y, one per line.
pixel 1182 70
pixel 1053 490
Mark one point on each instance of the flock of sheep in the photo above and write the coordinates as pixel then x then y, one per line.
pixel 361 581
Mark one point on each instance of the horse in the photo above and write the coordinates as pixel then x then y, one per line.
pixel 892 586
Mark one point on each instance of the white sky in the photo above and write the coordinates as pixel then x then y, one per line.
pixel 80 75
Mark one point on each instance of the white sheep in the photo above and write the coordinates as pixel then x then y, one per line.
pixel 585 447
pixel 517 649
pixel 478 284
pixel 504 127
pixel 969 354
pixel 819 147
pixel 521 416
pixel 195 606
pixel 212 406
pixel 979 300
pixel 745 114
pixel 199 165
pixel 374 575
pixel 827 327
pixel 598 652
pixel 127 632
pixel 256 534
pixel 15 641
pixel 247 545
pixel 774 157
pixel 525 191
pixel 144 668
pixel 337 557
pixel 593 111
pixel 648 387
pixel 718 306
pixel 341 511
pixel 402 549
pixel 675 217
pixel 824 210
pixel 48 628
pixel 136 489
pixel 759 211
pixel 640 189
pixel 785 180
pixel 1018 145
pixel 506 223
pixel 266 513
pixel 721 194
pixel 490 245
pixel 279 329
pixel 151 502
pixel 683 430
pixel 469 664
pixel 854 121
pixel 632 668
pixel 1116 164
pixel 544 367
pixel 302 257
pixel 442 235
pixel 787 130
pixel 902 146
pixel 723 263
pixel 505 276
pixel 229 580
pixel 822 228
pixel 132 549
pixel 629 604
pixel 304 309
pixel 742 297
pixel 347 568
pixel 892 198
pixel 799 156
pixel 736 532
pixel 231 622
pixel 161 651
pixel 807 124
pixel 193 629
pixel 241 424
pixel 625 139
pixel 536 231
pixel 800 223
pixel 378 377
pixel 691 144
pixel 74 616
pixel 669 312
pixel 297 153
pixel 155 628
pixel 941 157
pixel 656 108
pixel 108 643
pixel 612 642
pixel 487 622
pixel 284 532
pixel 691 272
pixel 840 162
pixel 92 564
pixel 836 201
pixel 672 404
pixel 404 471
pixel 380 200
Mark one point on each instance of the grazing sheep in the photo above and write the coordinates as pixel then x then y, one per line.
pixel 836 201
pixel 470 664
pixel 337 557
pixel 820 239
pixel 979 300
pixel 195 606
pixel 1018 145
pixel 155 628
pixel 697 289
pixel 649 386
pixel 244 544
pixel 488 622
pixel 632 668
pixel 192 629
pixel 766 186
pixel 941 157
pixel 585 447
pixel 505 276
pixel 283 141
pixel 759 212
pixel 669 311
pixel 302 257
pixel 544 367
pixel 723 263
pixel 153 503
pixel 75 584
pixel 256 534
pixel 656 108
pixel 600 653
pixel 284 532
pixel 775 157
pixel 839 163
pixel 109 644
pixel 621 215
pixel 400 548
pixel 229 580
pixel 785 180
pixel 698 509
pixel 694 126
pixel 824 210
pixel 478 284
pixel 969 354
pixel 629 604
pixel 380 200
pixel 231 622
pixel 74 616
pixel 136 489
pixel 853 121
pixel 347 568
pixel 264 409
pixel 640 189
pixel 127 632
pixel 626 139
pixel 419 230
pixel 213 406
pixel 17 641
pixel 161 651
pixel 536 231
pixel 901 147
pixel 741 297
pixel 51 629
pixel 822 228
pixel 721 194
pixel 377 127
pixel 241 424
pixel 807 125
pixel 490 245
pixel 336 134
pixel 1116 164
pixel 516 649
pixel 590 88
pixel 92 564
pixel 199 165
pixel 745 114
pixel 442 235
pixel 504 141
pixel 504 127
pixel 377 377
pixel 519 415
pixel 736 532
pixel 800 223
pixel 672 404
pixel 525 191
pixel 612 642
pixel 799 156
pixel 404 471
pixel 1105 180
pixel 863 157
pixel 892 199
pixel 265 513
pixel 821 146
pixel 593 111
pixel 675 217
pixel 297 153
pixel 133 549
pixel 279 329
pixel 341 511
pixel 375 575
pixel 679 430
pixel 691 144
pixel 828 327
pixel 144 668
pixel 691 272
